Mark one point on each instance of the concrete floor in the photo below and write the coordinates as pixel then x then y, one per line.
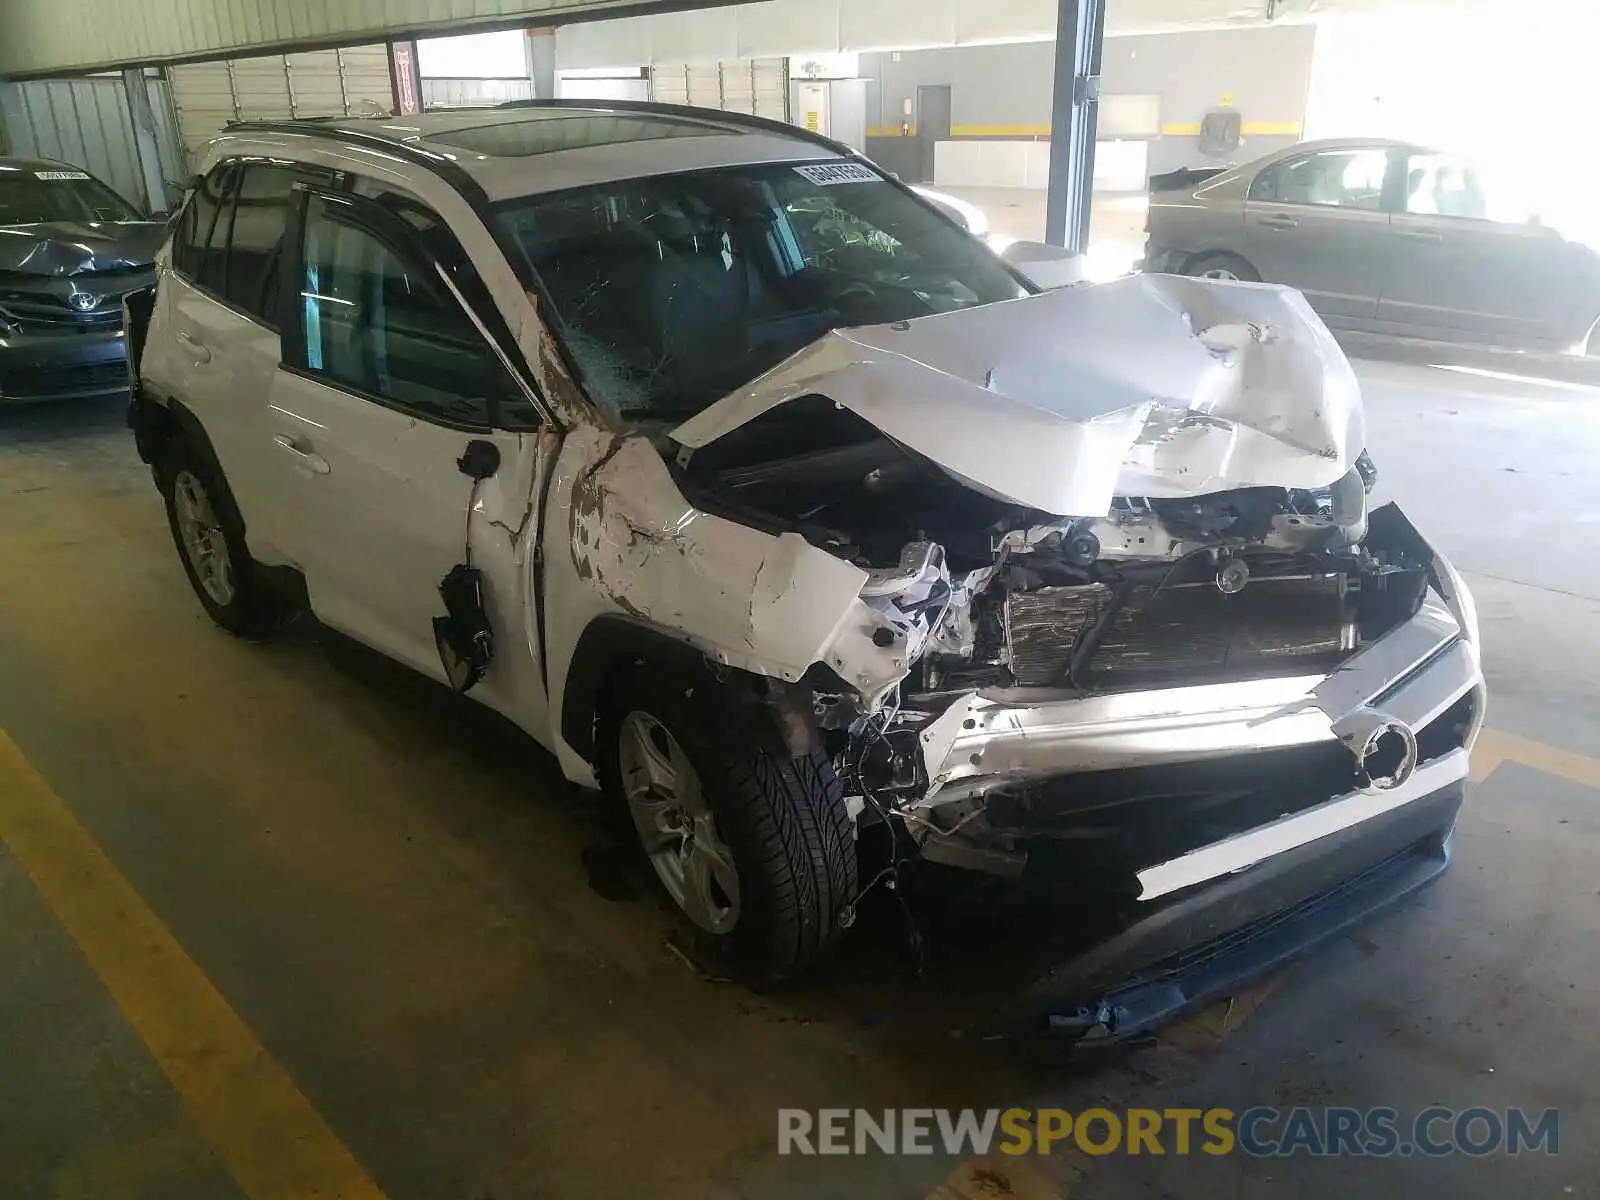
pixel 387 893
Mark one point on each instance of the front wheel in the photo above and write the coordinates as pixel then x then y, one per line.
pixel 209 536
pixel 751 844
pixel 1222 266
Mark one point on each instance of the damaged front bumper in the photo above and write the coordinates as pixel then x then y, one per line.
pixel 1230 825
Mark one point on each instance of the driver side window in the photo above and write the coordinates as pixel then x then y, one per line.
pixel 378 322
pixel 1332 179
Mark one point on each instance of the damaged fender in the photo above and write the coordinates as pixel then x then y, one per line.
pixel 765 604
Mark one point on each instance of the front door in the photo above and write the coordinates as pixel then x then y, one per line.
pixel 386 382
pixel 1460 268
pixel 1316 222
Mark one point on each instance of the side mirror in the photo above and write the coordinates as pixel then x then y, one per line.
pixel 1044 265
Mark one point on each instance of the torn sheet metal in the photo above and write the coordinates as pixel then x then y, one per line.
pixel 773 605
pixel 59 248
pixel 1153 385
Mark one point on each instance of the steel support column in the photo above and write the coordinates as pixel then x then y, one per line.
pixel 1080 32
pixel 146 148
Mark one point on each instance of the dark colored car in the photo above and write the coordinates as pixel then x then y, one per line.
pixel 1383 237
pixel 70 249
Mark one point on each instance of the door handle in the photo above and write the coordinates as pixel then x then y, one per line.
pixel 1280 222
pixel 302 451
pixel 1421 235
pixel 197 351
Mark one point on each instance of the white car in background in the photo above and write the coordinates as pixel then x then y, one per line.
pixel 799 523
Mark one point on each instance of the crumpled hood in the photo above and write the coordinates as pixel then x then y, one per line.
pixel 59 248
pixel 1151 385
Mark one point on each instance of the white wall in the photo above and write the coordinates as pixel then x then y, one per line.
pixel 499 55
pixel 1518 98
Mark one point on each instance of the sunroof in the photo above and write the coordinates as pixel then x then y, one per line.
pixel 517 139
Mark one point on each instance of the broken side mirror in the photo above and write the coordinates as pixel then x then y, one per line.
pixel 1046 266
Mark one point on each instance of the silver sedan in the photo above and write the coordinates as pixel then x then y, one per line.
pixel 1383 237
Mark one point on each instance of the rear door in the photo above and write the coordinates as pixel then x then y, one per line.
pixel 388 377
pixel 219 351
pixel 1464 267
pixel 1316 222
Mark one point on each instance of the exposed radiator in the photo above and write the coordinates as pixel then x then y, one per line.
pixel 1190 631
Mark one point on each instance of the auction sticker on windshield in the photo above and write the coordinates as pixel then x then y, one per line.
pixel 828 174
pixel 60 175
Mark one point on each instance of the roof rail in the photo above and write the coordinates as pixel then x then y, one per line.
pixel 765 124
pixel 448 169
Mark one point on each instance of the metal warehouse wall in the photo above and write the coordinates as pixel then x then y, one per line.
pixel 38 36
pixel 42 36
pixel 1004 91
pixel 473 93
pixel 86 122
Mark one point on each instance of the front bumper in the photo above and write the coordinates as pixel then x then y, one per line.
pixel 1226 824
pixel 1207 944
pixel 62 366
pixel 1158 260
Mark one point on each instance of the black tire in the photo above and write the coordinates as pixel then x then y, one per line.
pixel 255 608
pixel 783 818
pixel 1238 268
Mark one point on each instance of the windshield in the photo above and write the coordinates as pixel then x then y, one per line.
pixel 30 197
pixel 675 290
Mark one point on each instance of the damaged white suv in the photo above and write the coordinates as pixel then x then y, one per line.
pixel 778 507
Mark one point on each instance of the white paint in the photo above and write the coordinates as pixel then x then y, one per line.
pixel 1152 385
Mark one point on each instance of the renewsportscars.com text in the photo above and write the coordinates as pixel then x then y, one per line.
pixel 1261 1132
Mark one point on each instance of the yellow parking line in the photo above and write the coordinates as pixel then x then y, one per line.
pixel 981 1178
pixel 986 1178
pixel 1495 747
pixel 264 1129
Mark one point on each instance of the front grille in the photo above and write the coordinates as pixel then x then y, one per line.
pixel 44 305
pixel 63 379
pixel 36 313
pixel 1191 631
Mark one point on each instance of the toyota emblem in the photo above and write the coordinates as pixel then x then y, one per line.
pixel 83 301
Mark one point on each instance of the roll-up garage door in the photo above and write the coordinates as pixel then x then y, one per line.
pixel 669 84
pixel 759 86
pixel 273 87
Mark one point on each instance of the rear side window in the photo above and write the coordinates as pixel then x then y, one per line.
pixel 260 216
pixel 214 258
pixel 194 230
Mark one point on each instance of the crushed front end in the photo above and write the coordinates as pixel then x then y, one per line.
pixel 1237 749
pixel 1221 716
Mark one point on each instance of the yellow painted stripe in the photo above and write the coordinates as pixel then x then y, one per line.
pixel 1024 1178
pixel 1270 128
pixel 982 131
pixel 1495 747
pixel 264 1129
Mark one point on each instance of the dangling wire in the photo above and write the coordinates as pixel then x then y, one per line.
pixel 466 533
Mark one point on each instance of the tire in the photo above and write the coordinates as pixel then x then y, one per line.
pixel 231 586
pixel 781 819
pixel 1221 266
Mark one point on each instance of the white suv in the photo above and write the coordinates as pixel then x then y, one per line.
pixel 779 508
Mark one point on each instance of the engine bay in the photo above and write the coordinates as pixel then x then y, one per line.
pixel 988 595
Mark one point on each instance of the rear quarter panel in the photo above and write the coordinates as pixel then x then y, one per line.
pixel 1193 221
